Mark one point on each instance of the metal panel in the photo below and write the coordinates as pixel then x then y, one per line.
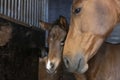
pixel 19 10
pixel 16 8
pixel 2 6
pixel 30 10
pixel 5 7
pixel 9 7
pixel 25 11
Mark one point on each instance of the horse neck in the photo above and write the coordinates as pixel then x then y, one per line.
pixel 104 53
pixel 96 61
pixel 99 55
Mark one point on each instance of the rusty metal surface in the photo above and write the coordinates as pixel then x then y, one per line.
pixel 25 11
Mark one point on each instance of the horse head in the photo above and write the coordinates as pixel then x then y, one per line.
pixel 91 22
pixel 57 32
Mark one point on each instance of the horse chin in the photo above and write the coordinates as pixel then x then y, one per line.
pixel 52 72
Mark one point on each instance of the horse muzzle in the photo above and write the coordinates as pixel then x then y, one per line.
pixel 75 64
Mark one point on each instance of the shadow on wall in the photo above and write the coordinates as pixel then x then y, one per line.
pixel 19 50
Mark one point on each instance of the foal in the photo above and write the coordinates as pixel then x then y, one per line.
pixel 56 36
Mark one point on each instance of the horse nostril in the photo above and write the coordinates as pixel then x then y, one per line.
pixel 79 63
pixel 66 62
pixel 52 65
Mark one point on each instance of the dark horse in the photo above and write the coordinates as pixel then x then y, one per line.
pixel 91 23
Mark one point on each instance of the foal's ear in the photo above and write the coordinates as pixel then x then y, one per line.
pixel 45 25
pixel 63 22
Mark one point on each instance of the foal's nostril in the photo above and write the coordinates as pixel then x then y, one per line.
pixel 66 62
pixel 52 65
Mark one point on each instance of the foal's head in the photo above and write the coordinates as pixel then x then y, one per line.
pixel 91 22
pixel 56 36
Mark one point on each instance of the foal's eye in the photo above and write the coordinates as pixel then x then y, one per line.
pixel 77 10
pixel 62 43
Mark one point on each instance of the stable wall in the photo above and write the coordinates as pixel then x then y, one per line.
pixel 59 7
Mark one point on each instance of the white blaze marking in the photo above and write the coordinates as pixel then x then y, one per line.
pixel 48 65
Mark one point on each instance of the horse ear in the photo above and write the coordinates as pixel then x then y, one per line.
pixel 45 25
pixel 63 22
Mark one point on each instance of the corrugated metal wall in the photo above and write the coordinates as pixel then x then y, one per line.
pixel 59 7
pixel 25 11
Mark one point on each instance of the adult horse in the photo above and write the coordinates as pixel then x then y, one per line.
pixel 91 23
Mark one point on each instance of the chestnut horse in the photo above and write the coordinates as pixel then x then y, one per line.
pixel 91 23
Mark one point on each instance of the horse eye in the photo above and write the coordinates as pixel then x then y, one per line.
pixel 76 11
pixel 62 43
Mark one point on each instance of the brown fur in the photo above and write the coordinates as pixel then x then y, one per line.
pixel 105 64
